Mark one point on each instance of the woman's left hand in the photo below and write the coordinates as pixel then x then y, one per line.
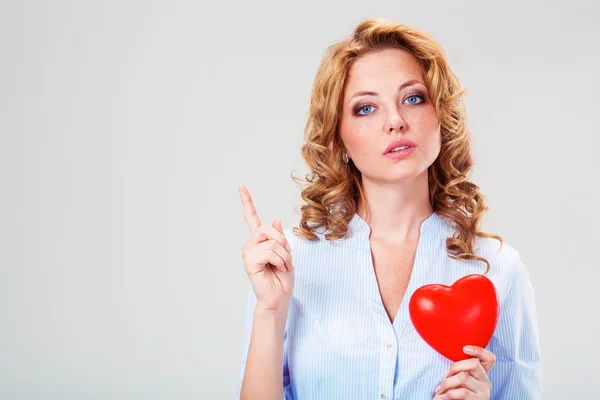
pixel 468 379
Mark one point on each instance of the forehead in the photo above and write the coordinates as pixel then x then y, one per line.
pixel 385 67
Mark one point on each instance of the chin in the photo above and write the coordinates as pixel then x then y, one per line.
pixel 398 176
pixel 406 170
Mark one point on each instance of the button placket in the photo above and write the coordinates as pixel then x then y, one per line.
pixel 388 364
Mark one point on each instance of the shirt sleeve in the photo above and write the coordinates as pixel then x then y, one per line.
pixel 251 302
pixel 517 371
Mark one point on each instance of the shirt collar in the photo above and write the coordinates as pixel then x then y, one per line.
pixel 360 227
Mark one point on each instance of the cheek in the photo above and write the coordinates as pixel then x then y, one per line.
pixel 429 127
pixel 427 120
pixel 358 137
pixel 434 142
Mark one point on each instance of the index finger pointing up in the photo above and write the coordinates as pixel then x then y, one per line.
pixel 249 211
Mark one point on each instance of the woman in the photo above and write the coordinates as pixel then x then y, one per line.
pixel 389 209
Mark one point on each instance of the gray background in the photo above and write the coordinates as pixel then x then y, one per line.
pixel 126 127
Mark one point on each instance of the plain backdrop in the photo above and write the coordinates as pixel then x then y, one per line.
pixel 126 127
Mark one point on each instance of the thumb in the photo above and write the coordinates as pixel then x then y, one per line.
pixel 277 225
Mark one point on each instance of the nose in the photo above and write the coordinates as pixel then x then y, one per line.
pixel 394 122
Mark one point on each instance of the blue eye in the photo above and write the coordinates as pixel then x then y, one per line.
pixel 362 107
pixel 412 99
pixel 414 96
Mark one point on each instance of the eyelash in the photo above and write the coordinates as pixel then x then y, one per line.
pixel 361 105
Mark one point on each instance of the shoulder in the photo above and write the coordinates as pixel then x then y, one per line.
pixel 319 254
pixel 294 239
pixel 300 243
pixel 507 269
pixel 505 261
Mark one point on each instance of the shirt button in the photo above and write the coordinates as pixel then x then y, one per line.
pixel 383 395
pixel 389 346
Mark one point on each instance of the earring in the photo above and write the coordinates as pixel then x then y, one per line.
pixel 345 158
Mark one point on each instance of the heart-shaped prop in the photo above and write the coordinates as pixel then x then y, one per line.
pixel 451 317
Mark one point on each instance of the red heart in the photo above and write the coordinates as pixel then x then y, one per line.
pixel 451 317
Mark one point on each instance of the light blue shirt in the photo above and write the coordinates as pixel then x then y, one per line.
pixel 339 342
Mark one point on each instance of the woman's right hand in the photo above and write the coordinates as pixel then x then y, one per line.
pixel 267 259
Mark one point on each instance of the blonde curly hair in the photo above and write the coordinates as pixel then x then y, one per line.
pixel 334 188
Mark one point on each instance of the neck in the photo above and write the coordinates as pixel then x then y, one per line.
pixel 396 210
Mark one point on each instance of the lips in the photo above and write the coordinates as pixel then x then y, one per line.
pixel 398 143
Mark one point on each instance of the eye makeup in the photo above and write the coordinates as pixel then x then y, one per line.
pixel 360 106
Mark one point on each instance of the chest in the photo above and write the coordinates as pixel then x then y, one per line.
pixel 393 265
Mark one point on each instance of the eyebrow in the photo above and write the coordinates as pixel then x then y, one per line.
pixel 405 84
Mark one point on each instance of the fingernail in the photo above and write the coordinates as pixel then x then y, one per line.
pixel 468 349
pixel 288 247
pixel 437 389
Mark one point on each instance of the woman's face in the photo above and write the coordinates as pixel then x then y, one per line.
pixel 398 108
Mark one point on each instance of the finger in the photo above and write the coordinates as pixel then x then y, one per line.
pixel 274 259
pixel 459 394
pixel 262 255
pixel 281 252
pixel 460 380
pixel 277 225
pixel 249 211
pixel 266 232
pixel 470 365
pixel 487 358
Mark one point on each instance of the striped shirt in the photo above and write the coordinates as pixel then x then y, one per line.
pixel 339 342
